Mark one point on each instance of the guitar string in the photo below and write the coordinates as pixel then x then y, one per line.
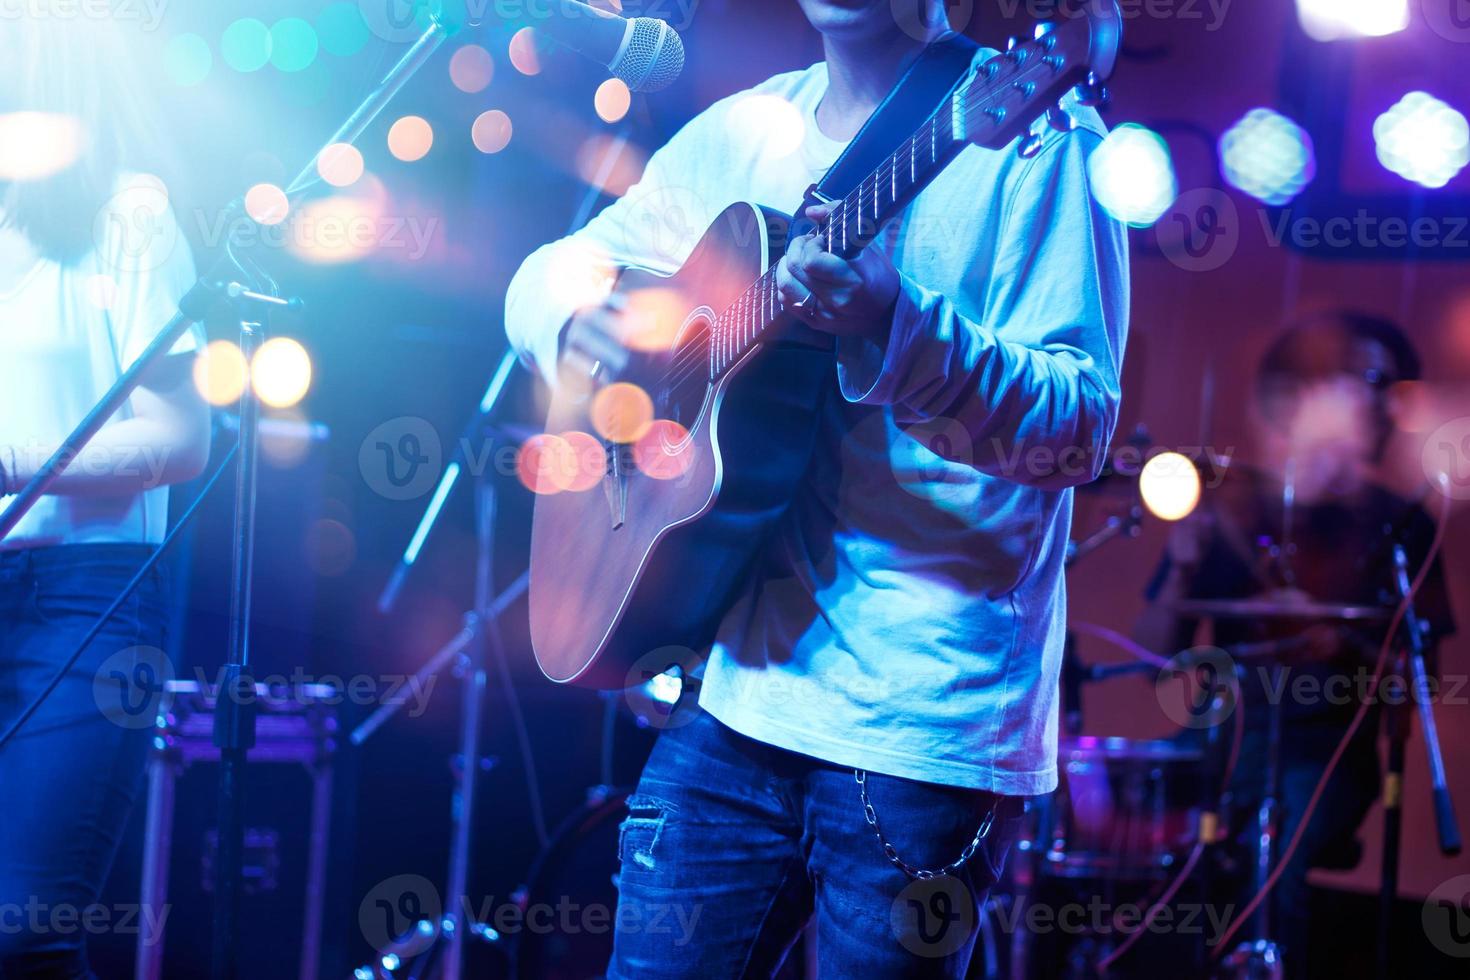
pixel 692 356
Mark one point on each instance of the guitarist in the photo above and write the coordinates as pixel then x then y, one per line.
pixel 907 627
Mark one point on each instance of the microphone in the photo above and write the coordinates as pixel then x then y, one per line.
pixel 644 52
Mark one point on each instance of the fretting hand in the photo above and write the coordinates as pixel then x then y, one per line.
pixel 835 295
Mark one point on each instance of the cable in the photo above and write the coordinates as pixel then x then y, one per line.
pixel 1352 730
pixel 1120 640
pixel 523 741
pixel 122 597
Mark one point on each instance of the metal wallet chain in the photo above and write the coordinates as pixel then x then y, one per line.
pixel 891 852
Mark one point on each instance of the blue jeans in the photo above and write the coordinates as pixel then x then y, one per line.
pixel 732 845
pixel 70 775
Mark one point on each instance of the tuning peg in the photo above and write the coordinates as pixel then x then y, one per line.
pixel 1030 145
pixel 1093 92
pixel 1059 119
pixel 1011 42
pixel 1043 28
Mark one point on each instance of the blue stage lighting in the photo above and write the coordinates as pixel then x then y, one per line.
pixel 1267 156
pixel 1422 139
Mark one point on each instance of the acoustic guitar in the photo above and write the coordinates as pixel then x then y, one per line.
pixel 664 487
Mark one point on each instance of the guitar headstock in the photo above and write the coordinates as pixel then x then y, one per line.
pixel 1011 91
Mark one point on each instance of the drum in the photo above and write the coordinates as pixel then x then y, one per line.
pixel 1124 810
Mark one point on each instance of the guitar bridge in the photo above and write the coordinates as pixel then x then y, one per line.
pixel 615 481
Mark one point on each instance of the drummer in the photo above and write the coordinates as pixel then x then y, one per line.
pixel 1310 524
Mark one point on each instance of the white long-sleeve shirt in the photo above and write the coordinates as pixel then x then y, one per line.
pixel 910 620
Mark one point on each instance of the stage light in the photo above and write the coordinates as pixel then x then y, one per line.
pixel 220 373
pixel 1267 156
pixel 187 60
pixel 1422 140
pixel 523 54
pixel 34 145
pixel 410 138
pixel 267 204
pixel 1170 486
pixel 1329 20
pixel 281 372
pixel 246 45
pixel 342 29
pixel 1132 175
pixel 340 164
pixel 491 131
pixel 293 44
pixel 612 100
pixel 622 412
pixel 471 68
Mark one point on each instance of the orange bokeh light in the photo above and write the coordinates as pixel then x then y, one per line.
pixel 654 457
pixel 267 204
pixel 588 462
pixel 622 412
pixel 471 68
pixel 543 462
pixel 612 100
pixel 491 131
pixel 340 164
pixel 652 318
pixel 410 137
pixel 610 163
pixel 523 53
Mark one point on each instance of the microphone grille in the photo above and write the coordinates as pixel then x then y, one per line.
pixel 652 55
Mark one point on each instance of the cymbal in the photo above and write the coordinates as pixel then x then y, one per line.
pixel 1278 608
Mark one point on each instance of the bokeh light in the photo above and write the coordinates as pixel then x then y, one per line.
pixel 471 68
pixel 769 122
pixel 543 462
pixel 220 373
pixel 281 372
pixel 293 44
pixel 580 272
pixel 267 204
pixel 491 131
pixel 612 100
pixel 246 45
pixel 652 318
pixel 663 451
pixel 1170 486
pixel 1422 140
pixel 410 138
pixel 342 29
pixel 187 59
pixel 621 412
pixel 1267 156
pixel 610 163
pixel 38 144
pixel 340 228
pixel 1132 175
pixel 340 164
pixel 1329 20
pixel 523 53
pixel 587 462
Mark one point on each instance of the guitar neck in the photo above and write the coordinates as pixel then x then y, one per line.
pixel 853 222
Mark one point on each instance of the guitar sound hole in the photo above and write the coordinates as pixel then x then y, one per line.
pixel 682 395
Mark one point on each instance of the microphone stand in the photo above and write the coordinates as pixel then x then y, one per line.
pixel 234 731
pixel 1408 678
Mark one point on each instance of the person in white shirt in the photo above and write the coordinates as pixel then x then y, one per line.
pixel 908 628
pixel 92 265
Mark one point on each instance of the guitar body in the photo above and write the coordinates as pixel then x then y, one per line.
pixel 636 563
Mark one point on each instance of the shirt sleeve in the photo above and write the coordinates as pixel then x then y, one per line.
pixel 654 226
pixel 1035 381
pixel 144 254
